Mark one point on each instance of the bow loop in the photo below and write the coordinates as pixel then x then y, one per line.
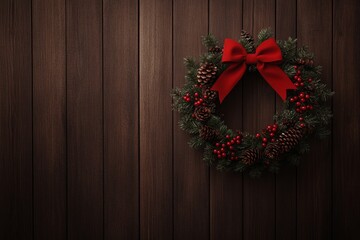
pixel 267 56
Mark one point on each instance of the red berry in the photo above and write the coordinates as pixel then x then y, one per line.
pixel 298 72
pixel 303 108
pixel 227 136
pixel 215 151
pixel 232 141
pixel 219 155
pixel 302 95
pixel 298 104
pixel 307 96
pixel 301 119
pixel 228 143
pixel 263 144
pixel 231 147
pixel 238 141
pixel 257 135
pixel 264 140
pixel 232 154
pixel 232 158
pixel 196 94
pixel 310 107
pixel 273 129
pixel 302 84
pixel 295 67
pixel 223 154
pixel 295 98
pixel 302 100
pixel 237 137
pixel 310 80
pixel 296 77
pixel 292 100
pixel 273 140
pixel 272 134
pixel 223 145
pixel 296 84
pixel 217 144
pixel 222 149
pixel 302 125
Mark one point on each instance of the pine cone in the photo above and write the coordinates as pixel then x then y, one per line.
pixel 215 50
pixel 202 113
pixel 290 138
pixel 206 73
pixel 250 156
pixel 208 134
pixel 247 37
pixel 211 95
pixel 273 150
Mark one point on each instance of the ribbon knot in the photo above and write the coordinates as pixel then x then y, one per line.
pixel 251 59
pixel 266 57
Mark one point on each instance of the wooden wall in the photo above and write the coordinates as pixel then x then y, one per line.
pixel 89 146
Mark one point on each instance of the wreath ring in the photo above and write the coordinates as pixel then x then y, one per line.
pixel 289 70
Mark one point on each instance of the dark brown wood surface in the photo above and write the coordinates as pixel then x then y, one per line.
pixel 89 146
pixel 85 173
pixel 121 121
pixel 191 219
pixel 49 116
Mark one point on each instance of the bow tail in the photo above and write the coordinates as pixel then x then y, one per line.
pixel 276 78
pixel 228 79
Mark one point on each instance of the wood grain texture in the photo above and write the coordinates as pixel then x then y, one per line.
pixel 314 29
pixel 89 147
pixel 286 179
pixel 49 107
pixel 121 158
pixel 191 175
pixel 346 130
pixel 259 106
pixel 156 178
pixel 226 191
pixel 85 119
pixel 16 218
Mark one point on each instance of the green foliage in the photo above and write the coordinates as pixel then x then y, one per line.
pixel 316 120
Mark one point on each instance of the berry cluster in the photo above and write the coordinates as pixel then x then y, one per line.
pixel 299 81
pixel 301 101
pixel 198 100
pixel 268 134
pixel 224 150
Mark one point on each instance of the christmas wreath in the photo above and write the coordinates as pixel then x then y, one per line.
pixel 289 70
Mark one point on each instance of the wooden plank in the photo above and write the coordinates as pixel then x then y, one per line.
pixel 226 188
pixel 16 217
pixel 314 29
pixel 286 179
pixel 156 179
pixel 346 132
pixel 121 140
pixel 191 175
pixel 84 116
pixel 258 105
pixel 49 92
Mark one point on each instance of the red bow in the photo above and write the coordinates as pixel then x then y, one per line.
pixel 266 57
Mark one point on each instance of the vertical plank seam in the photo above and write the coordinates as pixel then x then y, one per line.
pixel 209 173
pixel 332 122
pixel 172 123
pixel 208 168
pixel 296 171
pixel 66 127
pixel 103 119
pixel 32 120
pixel 242 129
pixel 138 115
pixel 275 105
